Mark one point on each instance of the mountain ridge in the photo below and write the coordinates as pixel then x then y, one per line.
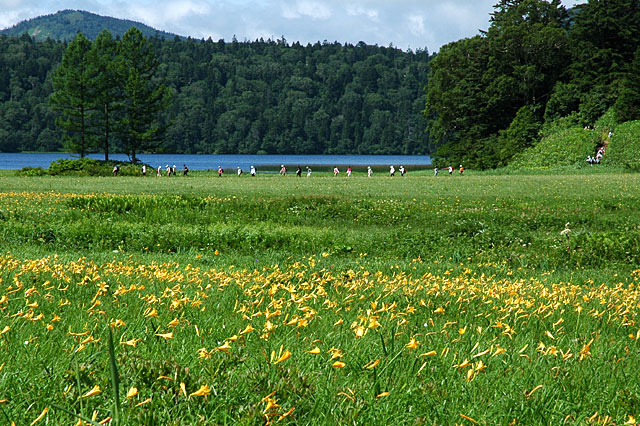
pixel 65 24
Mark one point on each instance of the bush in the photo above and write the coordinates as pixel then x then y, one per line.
pixel 91 167
pixel 568 147
pixel 624 148
pixel 32 171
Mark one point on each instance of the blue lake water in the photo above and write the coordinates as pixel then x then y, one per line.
pixel 227 161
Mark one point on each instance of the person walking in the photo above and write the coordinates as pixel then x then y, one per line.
pixel 369 171
pixel 402 171
pixel 283 171
pixel 116 169
pixel 253 171
pixel 159 172
pixel 392 171
pixel 298 171
pixel 435 171
pixel 239 171
pixel 349 171
pixel 144 170
pixel 220 171
pixel 185 170
pixel 335 171
pixel 308 172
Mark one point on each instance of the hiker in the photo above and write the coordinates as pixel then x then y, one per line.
pixel 402 171
pixel 116 169
pixel 369 171
pixel 450 170
pixel 392 171
pixel 298 172
pixel 220 171
pixel 349 171
pixel 308 172
pixel 435 171
pixel 335 171
pixel 461 169
pixel 168 168
pixel 283 170
pixel 144 170
pixel 239 171
pixel 185 170
pixel 159 171
pixel 253 171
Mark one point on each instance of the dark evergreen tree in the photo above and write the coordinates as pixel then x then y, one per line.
pixel 145 96
pixel 109 82
pixel 74 95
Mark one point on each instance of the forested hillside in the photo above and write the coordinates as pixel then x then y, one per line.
pixel 65 24
pixel 244 97
pixel 489 96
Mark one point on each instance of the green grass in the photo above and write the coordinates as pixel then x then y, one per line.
pixel 451 265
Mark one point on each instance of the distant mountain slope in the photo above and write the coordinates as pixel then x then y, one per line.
pixel 65 24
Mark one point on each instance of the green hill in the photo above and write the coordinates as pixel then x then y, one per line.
pixel 624 148
pixel 568 147
pixel 65 24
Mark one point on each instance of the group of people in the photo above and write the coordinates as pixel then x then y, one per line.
pixel 449 169
pixel 171 170
pixel 598 158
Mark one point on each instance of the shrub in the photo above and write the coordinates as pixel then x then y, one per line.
pixel 568 147
pixel 624 148
pixel 91 167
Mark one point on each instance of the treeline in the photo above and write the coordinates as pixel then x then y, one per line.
pixel 241 97
pixel 539 65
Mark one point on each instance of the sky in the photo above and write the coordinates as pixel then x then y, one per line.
pixel 406 24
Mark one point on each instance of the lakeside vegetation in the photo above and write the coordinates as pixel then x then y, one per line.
pixel 414 300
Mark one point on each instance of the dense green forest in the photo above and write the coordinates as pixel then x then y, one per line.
pixel 65 24
pixel 537 67
pixel 243 97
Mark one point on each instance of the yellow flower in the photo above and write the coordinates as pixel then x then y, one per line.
pixel 430 353
pixel 413 344
pixel 165 335
pixel 360 331
pixel 174 322
pixel 96 390
pixel 226 347
pixel 314 351
pixel 183 388
pixel 631 420
pixel 463 330
pixel 371 365
pixel 338 364
pixel 248 329
pixel 382 395
pixel 146 401
pixel 203 391
pixel 40 417
pixel 151 313
pixel 285 356
pixel 132 392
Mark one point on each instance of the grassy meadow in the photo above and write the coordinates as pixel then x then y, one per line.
pixel 476 299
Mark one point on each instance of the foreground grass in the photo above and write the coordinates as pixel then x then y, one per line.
pixel 462 299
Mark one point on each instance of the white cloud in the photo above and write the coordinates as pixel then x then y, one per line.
pixel 313 9
pixel 416 25
pixel 159 14
pixel 372 14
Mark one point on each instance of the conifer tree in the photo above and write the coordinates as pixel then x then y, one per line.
pixel 74 95
pixel 145 95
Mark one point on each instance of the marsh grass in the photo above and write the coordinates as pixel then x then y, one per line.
pixel 420 274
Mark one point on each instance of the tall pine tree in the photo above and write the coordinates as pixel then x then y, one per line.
pixel 108 87
pixel 145 95
pixel 74 95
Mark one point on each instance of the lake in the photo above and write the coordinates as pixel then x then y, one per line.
pixel 227 161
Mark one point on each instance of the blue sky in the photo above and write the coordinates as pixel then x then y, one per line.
pixel 415 24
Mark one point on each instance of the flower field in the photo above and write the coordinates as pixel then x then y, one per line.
pixel 488 329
